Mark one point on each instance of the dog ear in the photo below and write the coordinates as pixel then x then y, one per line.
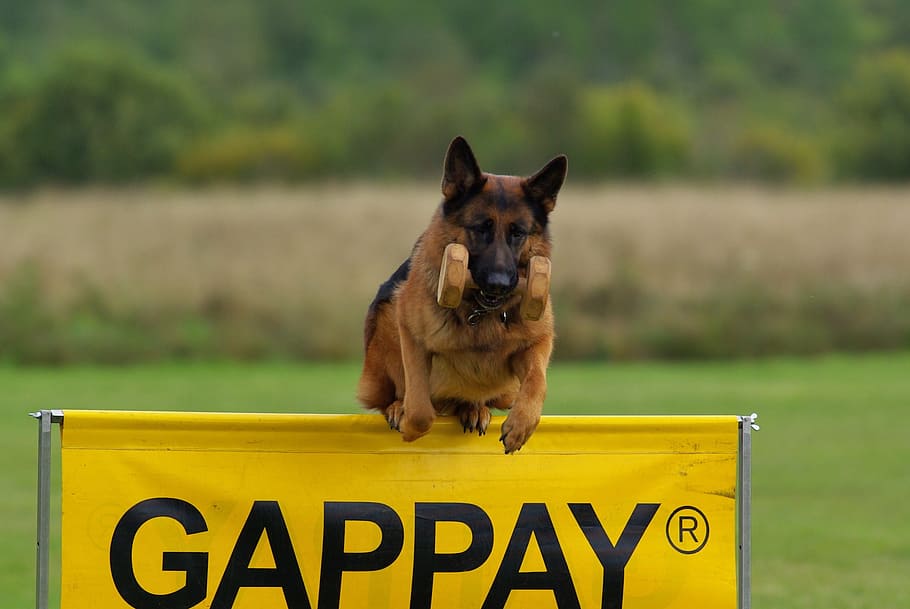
pixel 543 186
pixel 461 174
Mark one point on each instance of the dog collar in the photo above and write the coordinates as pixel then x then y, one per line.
pixel 477 315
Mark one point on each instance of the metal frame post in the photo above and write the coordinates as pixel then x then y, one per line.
pixel 46 418
pixel 744 510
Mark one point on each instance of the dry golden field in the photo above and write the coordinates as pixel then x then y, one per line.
pixel 638 271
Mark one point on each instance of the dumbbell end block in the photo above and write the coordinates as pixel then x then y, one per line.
pixel 534 301
pixel 452 276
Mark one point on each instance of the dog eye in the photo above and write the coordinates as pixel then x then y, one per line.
pixel 517 233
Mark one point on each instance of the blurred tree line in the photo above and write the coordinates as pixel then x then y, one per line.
pixel 125 90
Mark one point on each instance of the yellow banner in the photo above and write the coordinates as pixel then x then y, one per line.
pixel 242 511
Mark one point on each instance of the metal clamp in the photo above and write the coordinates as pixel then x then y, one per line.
pixel 750 419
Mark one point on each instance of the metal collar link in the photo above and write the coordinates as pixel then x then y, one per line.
pixel 486 305
pixel 477 315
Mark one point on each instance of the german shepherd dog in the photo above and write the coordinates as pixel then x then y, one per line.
pixel 422 359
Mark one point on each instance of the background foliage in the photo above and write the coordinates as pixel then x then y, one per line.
pixel 120 90
pixel 359 99
pixel 276 272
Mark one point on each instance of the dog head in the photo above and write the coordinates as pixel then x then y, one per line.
pixel 502 220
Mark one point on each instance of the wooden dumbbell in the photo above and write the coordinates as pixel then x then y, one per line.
pixel 454 277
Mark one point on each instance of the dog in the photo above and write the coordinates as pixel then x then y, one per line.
pixel 422 359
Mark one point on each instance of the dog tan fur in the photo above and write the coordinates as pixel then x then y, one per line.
pixel 421 359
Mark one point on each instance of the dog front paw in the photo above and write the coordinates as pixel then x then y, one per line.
pixel 516 430
pixel 393 415
pixel 474 417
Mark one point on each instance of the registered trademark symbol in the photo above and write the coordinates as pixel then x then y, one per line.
pixel 687 529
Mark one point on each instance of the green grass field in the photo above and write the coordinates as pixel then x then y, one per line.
pixel 831 478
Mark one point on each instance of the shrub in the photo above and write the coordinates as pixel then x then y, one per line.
pixel 772 154
pixel 875 109
pixel 25 322
pixel 249 154
pixel 98 115
pixel 629 132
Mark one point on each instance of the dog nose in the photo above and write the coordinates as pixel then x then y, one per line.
pixel 499 283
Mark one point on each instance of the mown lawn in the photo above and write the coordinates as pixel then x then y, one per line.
pixel 831 477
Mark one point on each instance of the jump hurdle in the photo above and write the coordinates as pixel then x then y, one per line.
pixel 220 511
